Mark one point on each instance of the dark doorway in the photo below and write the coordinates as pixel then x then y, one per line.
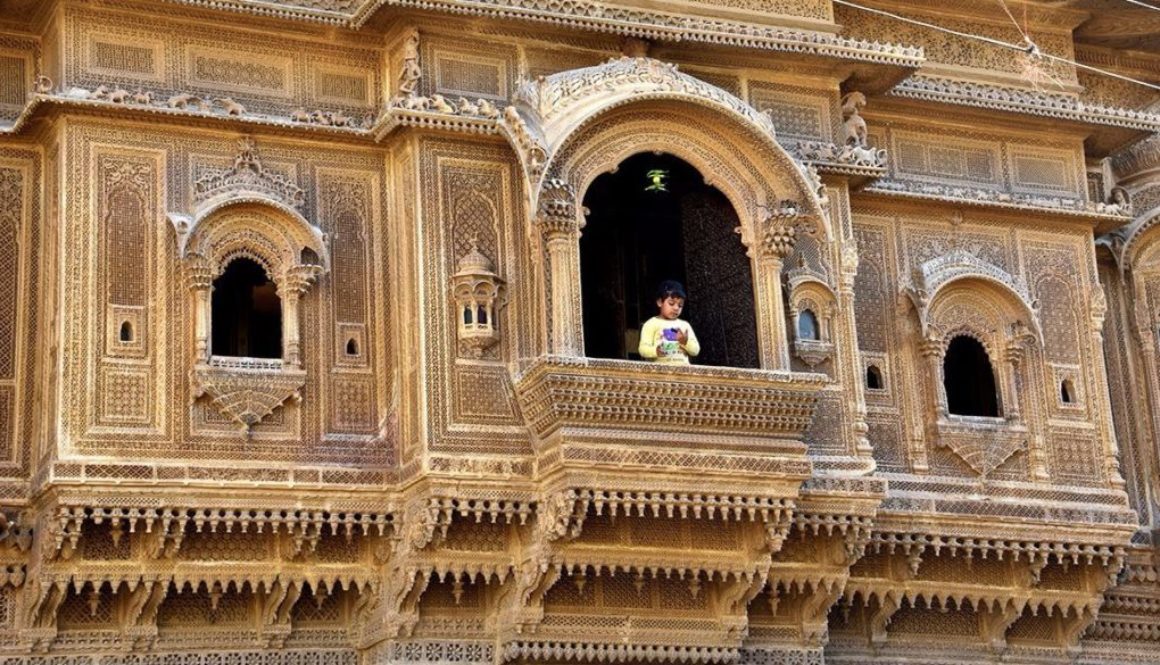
pixel 969 379
pixel 247 312
pixel 654 219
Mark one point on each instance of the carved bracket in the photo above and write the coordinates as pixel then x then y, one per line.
pixel 248 394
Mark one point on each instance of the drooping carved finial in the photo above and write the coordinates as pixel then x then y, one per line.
pixel 634 47
pixel 855 125
pixel 411 73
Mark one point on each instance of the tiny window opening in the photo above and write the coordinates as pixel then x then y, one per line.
pixel 351 347
pixel 126 334
pixel 1067 391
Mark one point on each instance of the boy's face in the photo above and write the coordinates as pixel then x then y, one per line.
pixel 671 307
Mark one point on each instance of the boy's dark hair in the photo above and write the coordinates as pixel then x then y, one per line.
pixel 671 287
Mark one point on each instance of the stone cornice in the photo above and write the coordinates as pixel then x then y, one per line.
pixel 1019 100
pixel 598 17
pixel 1096 213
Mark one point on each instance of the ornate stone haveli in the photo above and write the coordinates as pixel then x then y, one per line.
pixel 299 339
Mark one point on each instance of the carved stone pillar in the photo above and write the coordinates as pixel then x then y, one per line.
pixel 932 350
pixel 560 226
pixel 1102 399
pixel 848 330
pixel 1013 355
pixel 199 275
pixel 776 244
pixel 291 289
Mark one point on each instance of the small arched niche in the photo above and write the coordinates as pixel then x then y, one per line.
pixel 874 379
pixel 247 312
pixel 654 218
pixel 969 379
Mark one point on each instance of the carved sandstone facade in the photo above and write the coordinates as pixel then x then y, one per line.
pixel 301 345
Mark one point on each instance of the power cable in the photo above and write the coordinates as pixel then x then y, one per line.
pixel 1030 47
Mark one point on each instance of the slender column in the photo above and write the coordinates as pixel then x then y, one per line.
pixel 560 227
pixel 849 350
pixel 931 348
pixel 1102 400
pixel 199 276
pixel 776 244
pixel 293 286
pixel 1013 355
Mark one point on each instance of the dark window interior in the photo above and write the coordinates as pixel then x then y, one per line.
pixel 654 219
pixel 969 379
pixel 807 325
pixel 1067 391
pixel 874 378
pixel 126 331
pixel 247 312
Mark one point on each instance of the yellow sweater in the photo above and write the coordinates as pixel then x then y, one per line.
pixel 653 334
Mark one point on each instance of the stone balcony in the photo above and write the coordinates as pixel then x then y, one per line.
pixel 688 426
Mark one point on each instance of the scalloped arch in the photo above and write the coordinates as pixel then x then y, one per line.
pixel 267 227
pixel 558 109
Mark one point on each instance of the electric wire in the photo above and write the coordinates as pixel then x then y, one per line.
pixel 1030 48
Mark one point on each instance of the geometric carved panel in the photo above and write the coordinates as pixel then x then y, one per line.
pixel 125 397
pixel 484 395
pixel 260 73
pixel 352 403
pixel 926 157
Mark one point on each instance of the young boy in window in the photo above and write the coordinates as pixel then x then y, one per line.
pixel 666 338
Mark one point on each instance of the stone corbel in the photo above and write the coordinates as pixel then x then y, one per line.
pixel 815 611
pixel 995 622
pixel 520 602
pixel 246 394
pixel 42 601
pixel 277 604
pixel 880 617
pixel 145 598
pixel 734 598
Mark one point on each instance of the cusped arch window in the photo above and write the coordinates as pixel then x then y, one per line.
pixel 969 379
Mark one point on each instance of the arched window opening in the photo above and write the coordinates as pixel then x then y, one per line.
pixel 351 347
pixel 969 379
pixel 874 378
pixel 807 328
pixel 655 219
pixel 468 315
pixel 481 315
pixel 126 332
pixel 1067 391
pixel 247 312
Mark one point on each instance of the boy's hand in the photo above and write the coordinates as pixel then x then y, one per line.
pixel 682 337
pixel 661 350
